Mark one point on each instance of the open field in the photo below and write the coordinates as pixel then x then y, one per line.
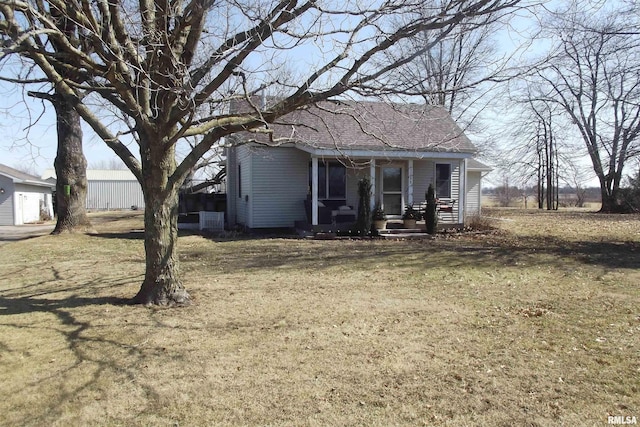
pixel 565 202
pixel 536 325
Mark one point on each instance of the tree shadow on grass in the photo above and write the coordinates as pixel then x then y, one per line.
pixel 23 232
pixel 51 294
pixel 129 235
pixel 556 251
pixel 82 337
pixel 6 239
pixel 30 304
pixel 439 253
pixel 139 234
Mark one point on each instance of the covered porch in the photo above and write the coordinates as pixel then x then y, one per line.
pixel 397 181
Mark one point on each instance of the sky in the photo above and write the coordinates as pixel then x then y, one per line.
pixel 29 131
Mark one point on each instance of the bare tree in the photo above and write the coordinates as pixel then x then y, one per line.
pixel 452 71
pixel 112 164
pixel 595 78
pixel 71 168
pixel 576 177
pixel 26 168
pixel 168 69
pixel 546 148
pixel 70 163
pixel 526 158
pixel 506 193
pixel 209 172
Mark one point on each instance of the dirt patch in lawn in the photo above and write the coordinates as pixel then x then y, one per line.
pixel 537 324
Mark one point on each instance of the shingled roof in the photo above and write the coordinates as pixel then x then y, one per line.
pixel 373 126
pixel 20 177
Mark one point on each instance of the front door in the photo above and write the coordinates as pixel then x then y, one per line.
pixel 392 189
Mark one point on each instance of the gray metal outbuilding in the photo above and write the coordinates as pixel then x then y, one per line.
pixel 110 189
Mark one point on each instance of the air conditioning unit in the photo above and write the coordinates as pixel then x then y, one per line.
pixel 213 221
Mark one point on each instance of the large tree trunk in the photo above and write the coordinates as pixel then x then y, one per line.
pixel 162 285
pixel 609 201
pixel 609 190
pixel 71 171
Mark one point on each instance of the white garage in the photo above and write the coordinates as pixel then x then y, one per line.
pixel 24 198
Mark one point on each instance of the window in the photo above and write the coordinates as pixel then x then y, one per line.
pixel 337 181
pixel 332 180
pixel 322 181
pixel 443 180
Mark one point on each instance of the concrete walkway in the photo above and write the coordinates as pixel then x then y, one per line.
pixel 12 233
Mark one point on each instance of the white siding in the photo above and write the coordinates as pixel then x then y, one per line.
pixel 6 201
pixel 280 185
pixel 455 181
pixel 423 175
pixel 455 193
pixel 104 195
pixel 473 193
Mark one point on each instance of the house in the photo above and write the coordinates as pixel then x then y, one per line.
pixel 24 198
pixel 475 172
pixel 109 189
pixel 308 169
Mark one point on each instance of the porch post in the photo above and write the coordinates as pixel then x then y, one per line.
pixel 462 197
pixel 372 178
pixel 410 184
pixel 314 191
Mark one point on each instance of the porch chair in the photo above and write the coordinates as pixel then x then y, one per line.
pixel 330 211
pixel 445 206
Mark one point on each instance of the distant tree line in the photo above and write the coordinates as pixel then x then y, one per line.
pixel 628 200
pixel 567 196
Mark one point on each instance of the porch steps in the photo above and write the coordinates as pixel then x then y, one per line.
pixel 404 233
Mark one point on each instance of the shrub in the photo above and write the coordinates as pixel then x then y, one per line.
pixel 430 216
pixel 480 223
pixel 630 196
pixel 363 224
pixel 44 215
pixel 378 213
pixel 411 213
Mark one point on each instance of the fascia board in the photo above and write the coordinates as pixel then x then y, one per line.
pixel 384 154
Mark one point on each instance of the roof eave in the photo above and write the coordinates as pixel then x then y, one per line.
pixel 36 183
pixel 386 154
pixel 11 177
pixel 485 169
pixel 27 181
